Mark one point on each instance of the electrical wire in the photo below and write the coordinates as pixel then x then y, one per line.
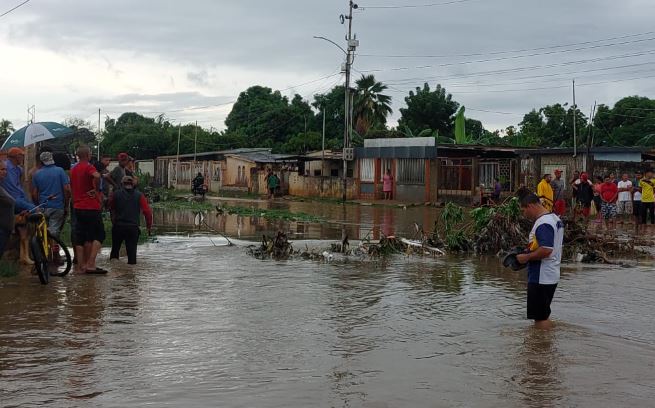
pixel 445 3
pixel 450 64
pixel 534 54
pixel 12 9
pixel 623 37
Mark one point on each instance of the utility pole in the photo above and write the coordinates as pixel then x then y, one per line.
pixel 575 108
pixel 177 162
pixel 323 148
pixel 352 45
pixel 98 136
pixel 195 147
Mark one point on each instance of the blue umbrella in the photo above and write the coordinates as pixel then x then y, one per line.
pixel 35 133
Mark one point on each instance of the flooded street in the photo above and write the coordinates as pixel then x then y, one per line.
pixel 201 324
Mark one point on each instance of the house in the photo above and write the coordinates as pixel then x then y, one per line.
pixel 210 164
pixel 247 171
pixel 467 173
pixel 320 174
pixel 596 161
pixel 412 162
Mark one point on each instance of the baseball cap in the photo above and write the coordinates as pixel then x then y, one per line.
pixel 123 156
pixel 46 158
pixel 558 171
pixel 15 151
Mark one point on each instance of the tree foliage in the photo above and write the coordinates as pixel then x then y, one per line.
pixel 429 109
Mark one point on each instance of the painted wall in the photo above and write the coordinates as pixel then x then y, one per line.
pixel 237 171
pixel 326 187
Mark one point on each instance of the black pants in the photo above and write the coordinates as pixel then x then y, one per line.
pixel 647 211
pixel 129 234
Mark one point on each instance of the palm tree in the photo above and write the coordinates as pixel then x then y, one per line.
pixel 371 107
pixel 6 129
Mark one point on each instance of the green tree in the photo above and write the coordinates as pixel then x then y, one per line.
pixel 429 109
pixel 6 129
pixel 333 104
pixel 371 107
pixel 267 117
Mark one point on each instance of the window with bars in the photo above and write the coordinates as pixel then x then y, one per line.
pixel 367 170
pixel 410 171
pixel 488 172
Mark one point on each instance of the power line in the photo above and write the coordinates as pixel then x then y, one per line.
pixel 446 3
pixel 10 10
pixel 449 64
pixel 521 50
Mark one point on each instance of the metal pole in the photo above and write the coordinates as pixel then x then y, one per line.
pixel 177 171
pixel 346 133
pixel 195 147
pixel 98 137
pixel 575 108
pixel 323 148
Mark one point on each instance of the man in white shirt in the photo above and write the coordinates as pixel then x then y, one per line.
pixel 624 203
pixel 543 259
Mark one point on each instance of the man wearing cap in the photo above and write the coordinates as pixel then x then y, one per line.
pixel 557 185
pixel 126 206
pixel 89 228
pixel 119 171
pixel 50 185
pixel 13 185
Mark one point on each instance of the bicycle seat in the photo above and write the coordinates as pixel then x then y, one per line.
pixel 34 218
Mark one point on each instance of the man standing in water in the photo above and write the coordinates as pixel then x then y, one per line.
pixel 543 259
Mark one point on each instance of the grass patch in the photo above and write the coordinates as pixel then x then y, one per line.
pixel 184 205
pixel 8 269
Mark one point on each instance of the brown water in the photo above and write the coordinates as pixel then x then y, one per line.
pixel 199 324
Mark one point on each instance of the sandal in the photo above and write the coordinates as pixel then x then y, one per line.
pixel 96 271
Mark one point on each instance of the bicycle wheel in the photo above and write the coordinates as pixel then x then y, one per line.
pixel 59 258
pixel 40 261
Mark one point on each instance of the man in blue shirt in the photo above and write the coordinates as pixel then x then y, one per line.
pixel 13 182
pixel 13 185
pixel 52 181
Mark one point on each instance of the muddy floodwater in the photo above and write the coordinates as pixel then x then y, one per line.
pixel 200 324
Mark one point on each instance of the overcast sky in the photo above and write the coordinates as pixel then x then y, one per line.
pixel 500 58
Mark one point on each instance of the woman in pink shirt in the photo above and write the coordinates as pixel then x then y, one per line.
pixel 387 184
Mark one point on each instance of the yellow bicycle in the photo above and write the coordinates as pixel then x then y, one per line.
pixel 50 254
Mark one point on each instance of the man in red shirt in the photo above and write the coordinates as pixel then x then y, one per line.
pixel 87 204
pixel 608 194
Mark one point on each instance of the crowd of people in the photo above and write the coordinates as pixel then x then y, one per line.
pixel 603 199
pixel 85 190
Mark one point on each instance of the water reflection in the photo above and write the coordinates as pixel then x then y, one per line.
pixel 538 362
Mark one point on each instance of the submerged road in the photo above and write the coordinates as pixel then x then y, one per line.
pixel 199 324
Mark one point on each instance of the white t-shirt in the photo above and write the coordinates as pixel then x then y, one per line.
pixel 624 195
pixel 547 232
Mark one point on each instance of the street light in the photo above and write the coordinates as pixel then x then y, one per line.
pixel 331 42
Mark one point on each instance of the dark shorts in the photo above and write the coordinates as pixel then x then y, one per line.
pixel 88 227
pixel 539 298
pixel 636 209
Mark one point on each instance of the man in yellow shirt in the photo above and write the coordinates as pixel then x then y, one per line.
pixel 647 185
pixel 545 192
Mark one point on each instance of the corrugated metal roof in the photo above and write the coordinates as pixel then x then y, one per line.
pixel 218 153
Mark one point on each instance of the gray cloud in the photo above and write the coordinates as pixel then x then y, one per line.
pixel 276 36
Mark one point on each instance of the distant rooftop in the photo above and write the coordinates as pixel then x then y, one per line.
pixel 218 153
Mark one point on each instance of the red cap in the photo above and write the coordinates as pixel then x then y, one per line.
pixel 558 171
pixel 123 156
pixel 15 151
